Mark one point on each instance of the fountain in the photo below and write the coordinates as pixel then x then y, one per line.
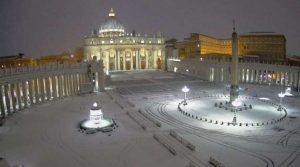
pixel 96 122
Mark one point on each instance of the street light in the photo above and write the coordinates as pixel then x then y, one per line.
pixel 236 103
pixel 185 90
pixel 281 96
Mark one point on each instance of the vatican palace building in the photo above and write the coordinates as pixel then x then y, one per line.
pixel 120 50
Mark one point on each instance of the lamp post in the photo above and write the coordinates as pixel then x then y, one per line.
pixel 281 96
pixel 235 104
pixel 185 90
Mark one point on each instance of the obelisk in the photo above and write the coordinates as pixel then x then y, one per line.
pixel 234 88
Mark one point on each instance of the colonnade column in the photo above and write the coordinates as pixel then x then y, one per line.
pixel 30 92
pixel 2 103
pixel 18 96
pixel 72 84
pixel 42 89
pixel 7 101
pixel 36 90
pixel 60 86
pixel 66 80
pixel 24 90
pixel 49 88
pixel 54 89
pixel 76 83
pixel 69 85
pixel 13 97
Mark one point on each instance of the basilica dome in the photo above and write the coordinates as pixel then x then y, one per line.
pixel 111 26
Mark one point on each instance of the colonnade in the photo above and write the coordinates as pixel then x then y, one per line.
pixel 256 73
pixel 22 94
pixel 21 88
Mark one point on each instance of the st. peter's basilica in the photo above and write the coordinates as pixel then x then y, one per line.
pixel 120 50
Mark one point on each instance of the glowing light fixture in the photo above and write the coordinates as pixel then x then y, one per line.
pixel 185 90
pixel 175 69
pixel 281 96
pixel 263 98
pixel 236 103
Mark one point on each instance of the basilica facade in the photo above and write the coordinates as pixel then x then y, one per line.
pixel 120 50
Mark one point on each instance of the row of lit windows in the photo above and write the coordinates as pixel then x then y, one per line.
pixel 121 41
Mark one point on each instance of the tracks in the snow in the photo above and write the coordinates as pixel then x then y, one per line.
pixel 161 115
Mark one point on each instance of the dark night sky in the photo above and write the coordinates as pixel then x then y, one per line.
pixel 41 27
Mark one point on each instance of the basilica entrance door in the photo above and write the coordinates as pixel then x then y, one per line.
pixel 121 63
pixel 143 62
pixel 128 64
pixel 158 63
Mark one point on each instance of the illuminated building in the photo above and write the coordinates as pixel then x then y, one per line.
pixel 120 50
pixel 256 46
pixel 16 61
pixel 268 46
pixel 63 58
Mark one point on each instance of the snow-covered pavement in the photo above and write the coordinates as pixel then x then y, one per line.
pixel 46 134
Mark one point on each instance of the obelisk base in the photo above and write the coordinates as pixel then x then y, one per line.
pixel 234 93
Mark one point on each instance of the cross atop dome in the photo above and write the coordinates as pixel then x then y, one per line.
pixel 111 13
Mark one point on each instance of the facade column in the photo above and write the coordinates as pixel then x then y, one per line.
pixel 124 60
pixel 18 96
pixel 163 60
pixel 107 61
pixel 2 103
pixel 136 60
pixel 119 60
pixel 25 96
pixel 155 59
pixel 147 59
pixel 140 59
pixel 115 57
pixel 13 97
pixel 131 60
